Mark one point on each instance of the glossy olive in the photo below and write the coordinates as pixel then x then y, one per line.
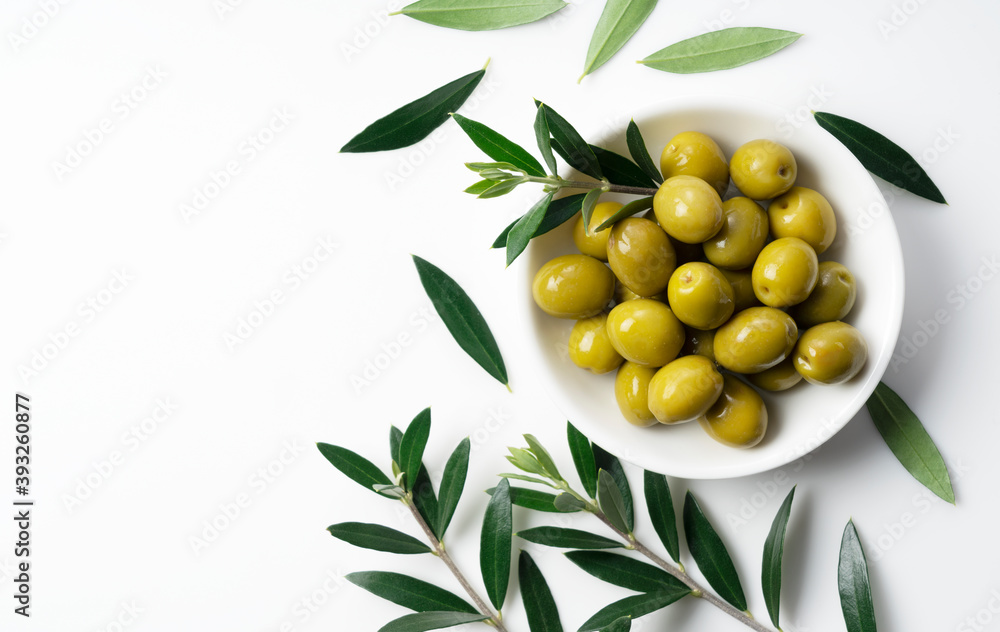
pixel 573 286
pixel 684 389
pixel 763 169
pixel 696 154
pixel 645 332
pixel 831 299
pixel 742 283
pixel 738 418
pixel 641 256
pixel 742 236
pixel 590 347
pixel 780 377
pixel 830 353
pixel 805 214
pixel 785 272
pixel 700 296
pixel 594 242
pixel 688 208
pixel 699 342
pixel 755 339
pixel 632 393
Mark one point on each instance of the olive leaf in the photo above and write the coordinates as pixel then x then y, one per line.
pixel 770 577
pixel 502 187
pixel 632 208
pixel 426 500
pixel 536 500
pixel 416 120
pixel 711 555
pixel 395 437
pixel 620 170
pixel 409 592
pixel 637 149
pixel 570 145
pixel 355 467
pixel 525 228
pixel 660 503
pixel 479 187
pixel 499 147
pixel 423 621
pixel 618 23
pixel 525 461
pixel 452 484
pixel 881 156
pixel 623 624
pixel 559 212
pixel 624 571
pixel 852 580
pixel 544 139
pixel 563 538
pixel 480 15
pixel 609 462
pixel 527 479
pixel 583 459
pixel 411 447
pixel 378 538
pixel 495 544
pixel 568 503
pixel 633 607
pixel 539 606
pixel 587 206
pixel 719 50
pixel 609 499
pixel 543 456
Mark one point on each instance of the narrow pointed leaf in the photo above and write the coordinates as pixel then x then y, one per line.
pixel 426 500
pixel 499 147
pixel 719 50
pixel 480 15
pixel 544 139
pixel 559 212
pixel 395 436
pixel 412 444
pixel 660 503
pixel 414 121
pixel 620 170
pixel 635 206
pixel 618 23
pixel 525 478
pixel 909 441
pixel 624 571
pixel 503 187
pixel 479 187
pixel 588 204
pixel 624 624
pixel 568 538
pixel 378 538
pixel 609 498
pixel 495 544
pixel 526 461
pixel 607 461
pixel 409 592
pixel 640 154
pixel 539 606
pixel 462 318
pixel 571 146
pixel 852 579
pixel 526 227
pixel 568 503
pixel 423 621
pixel 774 545
pixel 881 156
pixel 583 458
pixel 633 607
pixel 390 490
pixel 354 466
pixel 534 499
pixel 543 456
pixel 711 555
pixel 452 484
pixel 480 167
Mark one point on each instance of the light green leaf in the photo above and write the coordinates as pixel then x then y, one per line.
pixel 525 461
pixel 543 456
pixel 719 50
pixel 480 187
pixel 589 202
pixel 480 15
pixel 618 23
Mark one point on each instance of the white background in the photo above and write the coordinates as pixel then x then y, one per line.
pixel 124 541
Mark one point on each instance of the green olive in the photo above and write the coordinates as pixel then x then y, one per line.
pixel 684 389
pixel 590 347
pixel 755 339
pixel 632 393
pixel 645 332
pixel 641 256
pixel 700 296
pixel 742 283
pixel 785 273
pixel 738 418
pixel 623 294
pixel 595 243
pixel 830 353
pixel 696 154
pixel 780 377
pixel 688 208
pixel 763 169
pixel 831 299
pixel 805 214
pixel 573 286
pixel 743 235
pixel 699 342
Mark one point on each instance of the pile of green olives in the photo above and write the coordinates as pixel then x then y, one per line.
pixel 704 289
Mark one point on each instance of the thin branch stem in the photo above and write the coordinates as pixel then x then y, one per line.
pixel 556 181
pixel 484 608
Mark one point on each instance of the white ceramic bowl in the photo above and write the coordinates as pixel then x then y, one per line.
pixel 800 419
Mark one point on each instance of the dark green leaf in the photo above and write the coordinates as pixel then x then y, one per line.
pixel 544 139
pixel 620 170
pixel 774 546
pixel 377 537
pixel 624 624
pixel 711 555
pixel 452 484
pixel 534 499
pixel 414 121
pixel 423 621
pixel 543 456
pixel 852 579
pixel 559 212
pixel 635 206
pixel 395 436
pixel 539 606
pixel 411 447
pixel 495 544
pixel 524 229
pixel 426 500
pixel 498 147
pixel 503 187
pixel 633 607
pixel 583 458
pixel 607 461
pixel 639 153
pixel 409 592
pixel 881 156
pixel 660 503
pixel 480 187
pixel 568 538
pixel 719 50
pixel 624 571
pixel 609 498
pixel 462 318
pixel 568 503
pixel 354 466
pixel 618 23
pixel 571 146
pixel 480 15
pixel 588 204
pixel 908 440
